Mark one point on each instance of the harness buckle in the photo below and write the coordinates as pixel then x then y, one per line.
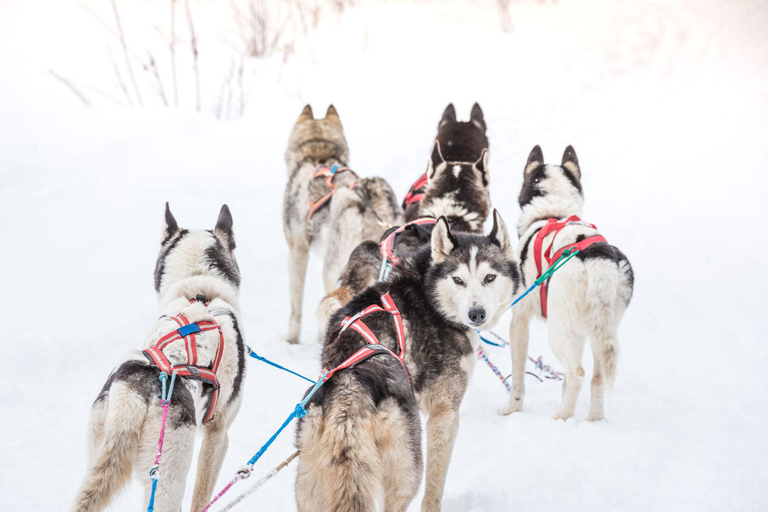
pixel 186 330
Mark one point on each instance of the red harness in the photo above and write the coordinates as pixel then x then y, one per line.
pixel 387 246
pixel 186 331
pixel 555 226
pixel 416 192
pixel 328 173
pixel 373 347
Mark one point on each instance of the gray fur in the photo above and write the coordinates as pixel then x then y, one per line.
pixel 339 226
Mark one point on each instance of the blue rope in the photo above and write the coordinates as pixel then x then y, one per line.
pixel 265 360
pixel 298 412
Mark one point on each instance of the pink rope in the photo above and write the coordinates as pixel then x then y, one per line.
pixel 166 405
pixel 493 368
pixel 239 476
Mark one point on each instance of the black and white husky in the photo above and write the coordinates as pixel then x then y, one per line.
pixel 197 278
pixel 359 209
pixel 456 188
pixel 585 298
pixel 360 443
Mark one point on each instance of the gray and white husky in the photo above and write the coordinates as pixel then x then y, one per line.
pixel 196 276
pixel 586 297
pixel 360 443
pixel 359 209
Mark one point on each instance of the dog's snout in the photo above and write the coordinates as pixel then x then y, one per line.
pixel 477 314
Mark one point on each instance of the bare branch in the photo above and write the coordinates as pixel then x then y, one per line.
pixel 173 53
pixel 71 87
pixel 153 67
pixel 125 52
pixel 194 53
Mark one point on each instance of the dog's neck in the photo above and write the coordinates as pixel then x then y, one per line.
pixel 213 288
pixel 549 207
pixel 315 151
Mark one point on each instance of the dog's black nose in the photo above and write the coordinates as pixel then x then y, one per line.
pixel 477 314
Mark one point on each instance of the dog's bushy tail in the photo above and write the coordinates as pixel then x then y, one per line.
pixel 116 425
pixel 602 292
pixel 340 462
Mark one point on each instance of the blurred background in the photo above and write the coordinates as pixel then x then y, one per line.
pixel 109 108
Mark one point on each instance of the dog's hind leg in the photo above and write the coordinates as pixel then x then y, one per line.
pixel 297 273
pixel 215 443
pixel 568 346
pixel 176 458
pixel 400 447
pixel 518 343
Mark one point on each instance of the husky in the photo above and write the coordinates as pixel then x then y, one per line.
pixel 360 442
pixel 356 210
pixel 460 142
pixel 456 190
pixel 585 298
pixel 196 278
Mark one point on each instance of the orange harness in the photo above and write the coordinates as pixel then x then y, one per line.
pixel 328 173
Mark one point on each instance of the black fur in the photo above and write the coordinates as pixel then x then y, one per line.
pixel 164 252
pixel 141 378
pixel 221 260
pixel 240 352
pixel 602 250
pixel 531 189
pixel 462 141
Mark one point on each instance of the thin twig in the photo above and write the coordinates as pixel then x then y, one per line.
pixel 125 51
pixel 173 53
pixel 120 80
pixel 71 87
pixel 193 38
pixel 153 66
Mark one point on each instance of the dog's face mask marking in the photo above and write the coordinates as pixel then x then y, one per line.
pixel 457 191
pixel 186 253
pixel 540 180
pixel 473 278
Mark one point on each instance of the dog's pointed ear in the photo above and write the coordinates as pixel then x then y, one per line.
pixel 535 159
pixel 571 162
pixel 477 117
pixel 332 116
pixel 443 241
pixel 170 226
pixel 449 115
pixel 500 235
pixel 435 160
pixel 306 114
pixel 481 167
pixel 224 227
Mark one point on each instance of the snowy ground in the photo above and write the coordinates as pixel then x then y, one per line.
pixel 666 103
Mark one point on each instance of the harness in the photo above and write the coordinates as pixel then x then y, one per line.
pixel 387 244
pixel 372 347
pixel 416 192
pixel 190 370
pixel 554 226
pixel 328 173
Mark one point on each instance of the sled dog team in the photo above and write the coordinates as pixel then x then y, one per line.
pixel 407 288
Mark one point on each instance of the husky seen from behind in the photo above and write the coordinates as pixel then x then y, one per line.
pixel 197 280
pixel 585 298
pixel 326 206
pixel 360 442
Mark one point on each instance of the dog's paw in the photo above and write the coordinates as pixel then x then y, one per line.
pixel 293 339
pixel 515 405
pixel 563 416
pixel 595 417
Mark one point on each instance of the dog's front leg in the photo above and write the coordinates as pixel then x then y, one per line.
pixel 518 343
pixel 442 426
pixel 215 443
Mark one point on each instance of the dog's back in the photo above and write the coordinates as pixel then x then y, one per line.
pixel 360 442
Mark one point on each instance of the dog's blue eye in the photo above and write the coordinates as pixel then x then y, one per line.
pixel 489 278
pixel 458 281
pixel 536 180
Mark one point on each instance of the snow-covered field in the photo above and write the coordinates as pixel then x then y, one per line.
pixel 666 103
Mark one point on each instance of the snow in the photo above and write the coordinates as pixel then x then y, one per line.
pixel 666 103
